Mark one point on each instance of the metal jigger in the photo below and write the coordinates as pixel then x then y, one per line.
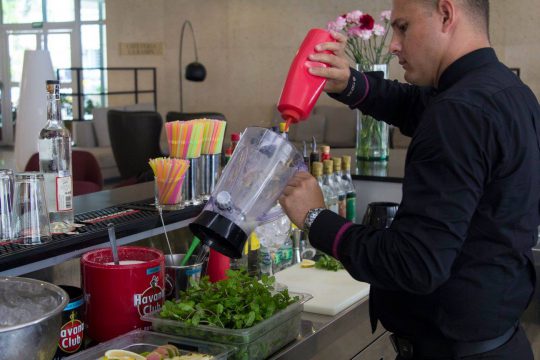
pixel 210 170
pixel 191 188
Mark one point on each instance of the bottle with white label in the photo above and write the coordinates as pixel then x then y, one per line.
pixel 54 146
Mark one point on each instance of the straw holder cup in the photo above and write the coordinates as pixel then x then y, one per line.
pixel 210 170
pixel 191 188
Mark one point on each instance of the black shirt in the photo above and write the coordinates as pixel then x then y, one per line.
pixel 456 262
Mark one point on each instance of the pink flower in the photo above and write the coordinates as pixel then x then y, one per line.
pixel 337 25
pixel 357 31
pixel 378 30
pixel 365 34
pixel 386 15
pixel 354 17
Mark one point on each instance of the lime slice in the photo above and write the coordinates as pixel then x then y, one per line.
pixel 306 263
pixel 123 355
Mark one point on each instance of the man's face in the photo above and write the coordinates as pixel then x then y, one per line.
pixel 417 41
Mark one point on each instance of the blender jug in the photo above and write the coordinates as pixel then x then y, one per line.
pixel 247 191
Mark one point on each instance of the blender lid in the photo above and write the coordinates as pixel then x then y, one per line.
pixel 220 233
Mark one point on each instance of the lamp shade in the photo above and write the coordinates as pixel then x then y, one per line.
pixel 32 110
pixel 195 71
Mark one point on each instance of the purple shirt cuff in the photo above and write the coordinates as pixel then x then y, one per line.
pixel 339 237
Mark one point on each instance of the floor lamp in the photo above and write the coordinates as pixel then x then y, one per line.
pixel 195 71
pixel 32 109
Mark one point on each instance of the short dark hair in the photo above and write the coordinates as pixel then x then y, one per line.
pixel 479 9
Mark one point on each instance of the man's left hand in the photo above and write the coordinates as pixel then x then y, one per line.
pixel 301 195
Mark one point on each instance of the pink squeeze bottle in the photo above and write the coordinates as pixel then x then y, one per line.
pixel 302 89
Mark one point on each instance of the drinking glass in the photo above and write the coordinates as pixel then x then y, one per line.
pixel 380 214
pixel 30 214
pixel 6 204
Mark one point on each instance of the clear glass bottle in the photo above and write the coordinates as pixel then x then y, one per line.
pixel 349 187
pixel 339 186
pixel 328 173
pixel 54 147
pixel 330 198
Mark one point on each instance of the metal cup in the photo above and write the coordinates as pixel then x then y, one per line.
pixel 210 170
pixel 7 181
pixel 191 188
pixel 30 216
pixel 177 278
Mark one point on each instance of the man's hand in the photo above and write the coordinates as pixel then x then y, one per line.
pixel 338 71
pixel 301 195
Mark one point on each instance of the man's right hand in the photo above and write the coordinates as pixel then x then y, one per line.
pixel 338 71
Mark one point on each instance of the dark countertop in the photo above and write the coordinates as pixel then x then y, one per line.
pixel 128 208
pixel 392 170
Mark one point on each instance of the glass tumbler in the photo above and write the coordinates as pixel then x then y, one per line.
pixel 30 215
pixel 6 204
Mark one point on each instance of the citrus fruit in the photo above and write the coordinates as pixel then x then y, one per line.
pixel 123 355
pixel 306 263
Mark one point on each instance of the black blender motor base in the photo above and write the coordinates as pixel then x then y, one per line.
pixel 220 233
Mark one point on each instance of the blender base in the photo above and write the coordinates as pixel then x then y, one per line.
pixel 220 233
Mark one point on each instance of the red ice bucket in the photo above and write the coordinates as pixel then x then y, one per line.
pixel 118 295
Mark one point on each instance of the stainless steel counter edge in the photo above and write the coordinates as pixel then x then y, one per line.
pixel 342 336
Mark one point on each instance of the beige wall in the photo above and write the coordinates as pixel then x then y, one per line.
pixel 247 47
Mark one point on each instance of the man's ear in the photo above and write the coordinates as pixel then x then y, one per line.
pixel 447 12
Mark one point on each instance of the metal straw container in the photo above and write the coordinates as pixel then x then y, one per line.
pixel 191 188
pixel 210 170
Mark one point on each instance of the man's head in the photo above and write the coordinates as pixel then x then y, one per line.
pixel 431 34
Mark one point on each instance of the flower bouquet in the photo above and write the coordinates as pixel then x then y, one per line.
pixel 366 41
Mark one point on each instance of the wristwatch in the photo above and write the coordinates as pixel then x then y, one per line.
pixel 310 217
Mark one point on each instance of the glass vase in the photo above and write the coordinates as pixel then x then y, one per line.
pixel 371 135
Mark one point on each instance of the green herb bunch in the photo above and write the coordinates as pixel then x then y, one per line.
pixel 326 262
pixel 238 302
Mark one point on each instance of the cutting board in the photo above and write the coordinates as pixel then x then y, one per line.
pixel 332 291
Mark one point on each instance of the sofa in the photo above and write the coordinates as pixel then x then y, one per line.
pixel 93 136
pixel 335 126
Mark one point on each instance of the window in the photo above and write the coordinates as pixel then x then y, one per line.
pixel 72 30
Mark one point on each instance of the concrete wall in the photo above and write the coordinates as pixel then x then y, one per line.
pixel 247 47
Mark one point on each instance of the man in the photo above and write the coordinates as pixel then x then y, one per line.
pixel 453 273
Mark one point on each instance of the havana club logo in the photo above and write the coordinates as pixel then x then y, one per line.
pixel 71 335
pixel 150 300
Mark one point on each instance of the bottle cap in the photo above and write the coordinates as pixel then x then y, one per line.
pixel 337 164
pixel 283 127
pixel 346 162
pixel 235 137
pixel 325 149
pixel 316 168
pixel 328 166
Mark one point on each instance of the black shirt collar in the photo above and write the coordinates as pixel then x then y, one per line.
pixel 464 64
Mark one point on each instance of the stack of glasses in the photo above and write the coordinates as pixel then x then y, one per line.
pixel 188 140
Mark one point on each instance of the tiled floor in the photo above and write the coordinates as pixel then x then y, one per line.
pixel 7 158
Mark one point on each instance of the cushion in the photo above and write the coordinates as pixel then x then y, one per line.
pixel 103 155
pixel 83 133
pixel 101 126
pixel 340 126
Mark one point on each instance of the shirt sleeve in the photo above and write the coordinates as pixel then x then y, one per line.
pixel 448 164
pixel 397 104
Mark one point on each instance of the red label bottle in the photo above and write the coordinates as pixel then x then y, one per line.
pixel 302 89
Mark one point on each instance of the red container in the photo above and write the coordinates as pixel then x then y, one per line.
pixel 118 295
pixel 218 264
pixel 302 89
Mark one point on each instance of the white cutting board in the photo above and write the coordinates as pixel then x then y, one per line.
pixel 332 291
